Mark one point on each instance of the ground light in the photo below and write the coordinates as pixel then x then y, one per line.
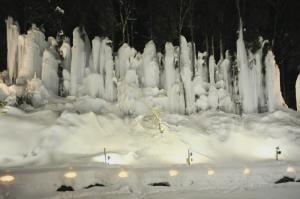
pixel 123 174
pixel 173 173
pixel 247 171
pixel 211 172
pixel 291 169
pixel 70 175
pixel 7 179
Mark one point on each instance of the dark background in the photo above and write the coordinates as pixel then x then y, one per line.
pixel 206 22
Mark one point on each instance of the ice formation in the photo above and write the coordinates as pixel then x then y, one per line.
pixel 246 76
pixel 225 72
pixel 176 98
pixel 129 92
pixel 93 85
pixel 110 93
pixel 212 68
pixel 178 80
pixel 4 92
pixel 170 72
pixel 65 51
pixel 50 68
pixel 66 82
pixel 122 62
pixel 96 43
pixel 79 59
pixel 35 45
pixel 297 87
pixel 150 66
pixel 36 92
pixel 12 33
pixel 270 81
pixel 186 76
pixel 259 88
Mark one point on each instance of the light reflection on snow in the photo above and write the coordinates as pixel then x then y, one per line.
pixel 113 159
pixel 173 173
pixel 291 169
pixel 247 171
pixel 123 174
pixel 211 172
pixel 70 174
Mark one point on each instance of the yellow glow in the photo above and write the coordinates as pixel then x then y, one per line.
pixel 291 169
pixel 123 174
pixel 7 179
pixel 210 172
pixel 71 174
pixel 173 173
pixel 247 171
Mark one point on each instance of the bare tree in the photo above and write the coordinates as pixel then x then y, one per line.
pixel 126 8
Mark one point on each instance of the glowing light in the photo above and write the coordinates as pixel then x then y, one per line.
pixel 123 174
pixel 211 172
pixel 7 179
pixel 173 173
pixel 71 174
pixel 291 169
pixel 247 171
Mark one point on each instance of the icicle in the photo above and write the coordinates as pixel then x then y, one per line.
pixel 169 66
pixel 110 79
pixel 297 87
pixel 78 63
pixel 65 51
pixel 150 66
pixel 270 81
pixel 50 68
pixel 12 32
pixel 212 66
pixel 186 75
pixel 245 76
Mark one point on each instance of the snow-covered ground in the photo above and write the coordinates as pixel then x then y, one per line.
pixel 39 145
pixel 131 182
pixel 67 129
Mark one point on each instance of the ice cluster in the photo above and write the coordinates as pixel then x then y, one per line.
pixel 179 81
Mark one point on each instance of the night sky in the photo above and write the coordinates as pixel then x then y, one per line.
pixel 207 22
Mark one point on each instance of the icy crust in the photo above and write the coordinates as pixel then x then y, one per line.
pixel 213 137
